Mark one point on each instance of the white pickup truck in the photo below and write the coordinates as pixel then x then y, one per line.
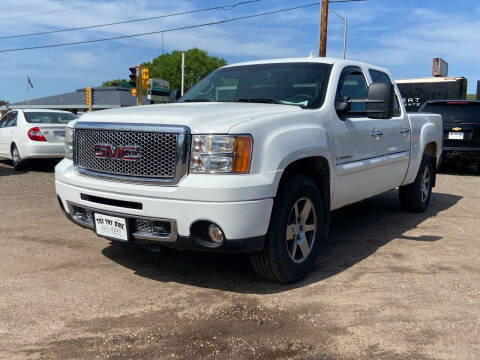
pixel 252 159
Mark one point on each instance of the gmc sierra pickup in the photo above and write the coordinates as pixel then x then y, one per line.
pixel 252 159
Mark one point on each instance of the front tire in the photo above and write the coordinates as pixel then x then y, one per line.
pixel 17 161
pixel 295 234
pixel 415 197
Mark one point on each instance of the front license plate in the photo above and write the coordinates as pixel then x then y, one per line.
pixel 455 135
pixel 111 227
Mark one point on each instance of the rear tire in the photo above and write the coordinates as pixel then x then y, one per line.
pixel 415 197
pixel 295 234
pixel 17 161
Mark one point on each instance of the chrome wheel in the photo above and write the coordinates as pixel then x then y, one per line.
pixel 301 229
pixel 425 184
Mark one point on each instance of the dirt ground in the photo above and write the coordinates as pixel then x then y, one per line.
pixel 392 285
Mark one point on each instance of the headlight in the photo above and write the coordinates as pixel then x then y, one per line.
pixel 69 143
pixel 225 154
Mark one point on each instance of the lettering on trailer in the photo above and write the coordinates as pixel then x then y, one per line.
pixel 412 102
pixel 128 153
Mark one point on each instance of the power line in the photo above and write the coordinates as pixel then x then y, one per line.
pixel 15 17
pixel 162 31
pixel 39 4
pixel 227 7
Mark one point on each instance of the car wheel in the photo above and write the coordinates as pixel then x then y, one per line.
pixel 18 162
pixel 295 233
pixel 415 197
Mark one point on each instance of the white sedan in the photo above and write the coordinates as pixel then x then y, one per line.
pixel 33 134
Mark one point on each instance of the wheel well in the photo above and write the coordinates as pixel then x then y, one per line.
pixel 318 170
pixel 431 150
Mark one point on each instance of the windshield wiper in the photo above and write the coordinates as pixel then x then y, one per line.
pixel 259 100
pixel 198 100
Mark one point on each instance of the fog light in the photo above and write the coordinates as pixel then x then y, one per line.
pixel 215 233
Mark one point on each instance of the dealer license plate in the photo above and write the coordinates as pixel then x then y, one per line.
pixel 111 227
pixel 455 135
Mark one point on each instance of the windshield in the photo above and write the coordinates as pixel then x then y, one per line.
pixel 299 84
pixel 49 117
pixel 456 111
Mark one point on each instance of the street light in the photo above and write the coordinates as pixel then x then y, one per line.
pixel 344 30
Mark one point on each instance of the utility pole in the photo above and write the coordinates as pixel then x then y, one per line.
pixel 183 73
pixel 162 45
pixel 322 46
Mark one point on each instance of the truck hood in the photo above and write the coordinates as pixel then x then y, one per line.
pixel 199 117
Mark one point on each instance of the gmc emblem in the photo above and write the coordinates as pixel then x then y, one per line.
pixel 127 153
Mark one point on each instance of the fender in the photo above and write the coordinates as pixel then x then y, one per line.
pixel 423 133
pixel 281 140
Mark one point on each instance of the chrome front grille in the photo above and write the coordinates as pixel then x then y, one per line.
pixel 153 153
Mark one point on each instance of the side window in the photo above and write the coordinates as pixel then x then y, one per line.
pixel 354 86
pixel 12 121
pixel 4 120
pixel 381 77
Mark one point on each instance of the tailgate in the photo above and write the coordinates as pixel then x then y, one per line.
pixel 461 135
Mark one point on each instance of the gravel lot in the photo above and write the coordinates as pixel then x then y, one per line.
pixel 391 285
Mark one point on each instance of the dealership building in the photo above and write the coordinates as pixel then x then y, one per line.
pixel 103 98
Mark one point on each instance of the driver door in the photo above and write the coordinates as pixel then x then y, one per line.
pixel 359 150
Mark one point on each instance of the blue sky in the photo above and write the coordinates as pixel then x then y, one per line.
pixel 402 35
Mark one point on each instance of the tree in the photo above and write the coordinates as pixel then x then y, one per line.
pixel 471 97
pixel 198 64
pixel 118 82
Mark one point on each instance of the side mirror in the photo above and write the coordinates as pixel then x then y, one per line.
pixel 380 101
pixel 174 96
pixel 342 106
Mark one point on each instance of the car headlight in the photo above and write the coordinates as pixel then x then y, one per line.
pixel 224 154
pixel 69 143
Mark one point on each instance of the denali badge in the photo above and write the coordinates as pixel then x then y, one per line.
pixel 128 153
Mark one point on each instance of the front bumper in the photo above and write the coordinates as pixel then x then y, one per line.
pixel 171 239
pixel 237 204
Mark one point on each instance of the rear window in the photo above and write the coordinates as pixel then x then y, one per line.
pixel 49 117
pixel 455 112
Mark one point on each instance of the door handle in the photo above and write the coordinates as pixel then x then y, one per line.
pixel 405 131
pixel 376 133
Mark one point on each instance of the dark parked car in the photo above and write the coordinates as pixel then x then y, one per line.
pixel 461 129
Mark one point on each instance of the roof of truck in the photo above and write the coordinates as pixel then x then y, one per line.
pixel 309 59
